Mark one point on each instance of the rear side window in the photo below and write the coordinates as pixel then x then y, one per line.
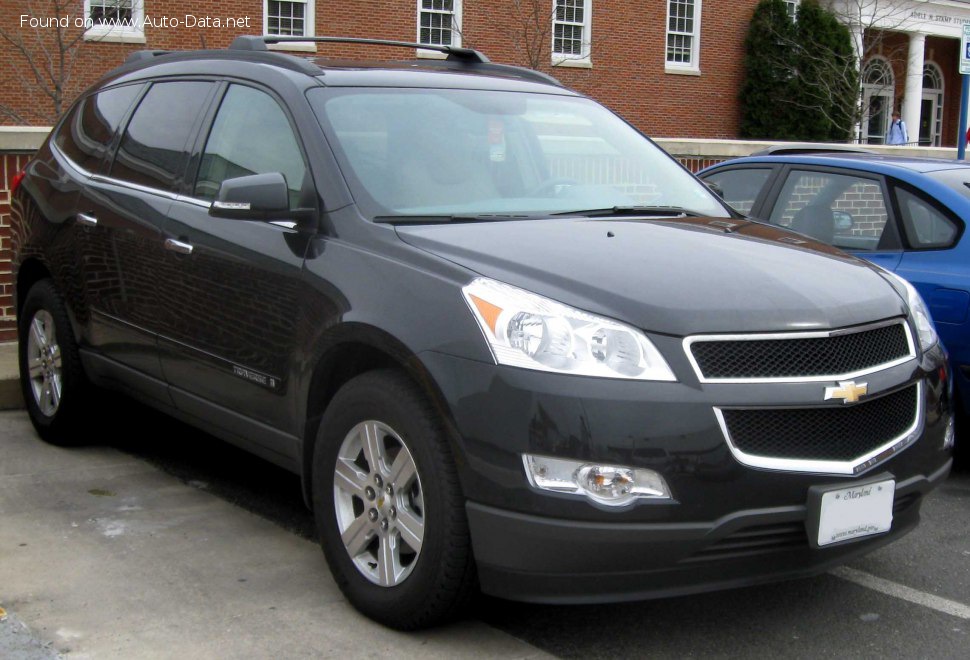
pixel 250 135
pixel 740 187
pixel 154 148
pixel 925 226
pixel 86 134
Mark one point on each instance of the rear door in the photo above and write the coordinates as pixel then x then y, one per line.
pixel 230 301
pixel 124 208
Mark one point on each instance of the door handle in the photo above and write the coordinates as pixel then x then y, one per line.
pixel 87 220
pixel 178 246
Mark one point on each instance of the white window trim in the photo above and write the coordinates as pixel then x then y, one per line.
pixel 794 4
pixel 118 35
pixel 584 60
pixel 694 68
pixel 455 32
pixel 309 23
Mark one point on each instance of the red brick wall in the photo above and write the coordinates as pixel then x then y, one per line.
pixel 10 164
pixel 628 45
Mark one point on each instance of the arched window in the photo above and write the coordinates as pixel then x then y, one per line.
pixel 878 91
pixel 931 108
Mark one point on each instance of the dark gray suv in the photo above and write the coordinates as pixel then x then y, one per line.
pixel 507 342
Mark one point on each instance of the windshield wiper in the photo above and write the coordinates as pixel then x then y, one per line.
pixel 671 211
pixel 430 218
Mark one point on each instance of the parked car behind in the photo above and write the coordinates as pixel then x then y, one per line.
pixel 909 215
pixel 506 341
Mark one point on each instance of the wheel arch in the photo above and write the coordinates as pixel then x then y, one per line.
pixel 346 353
pixel 29 273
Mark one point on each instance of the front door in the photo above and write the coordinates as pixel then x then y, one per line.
pixel 230 301
pixel 877 117
pixel 927 121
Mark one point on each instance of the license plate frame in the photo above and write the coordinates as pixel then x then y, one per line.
pixel 840 514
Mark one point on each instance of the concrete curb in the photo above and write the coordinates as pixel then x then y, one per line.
pixel 10 395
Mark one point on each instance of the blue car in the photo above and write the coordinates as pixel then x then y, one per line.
pixel 908 215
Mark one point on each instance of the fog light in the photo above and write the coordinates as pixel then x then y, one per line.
pixel 950 435
pixel 613 485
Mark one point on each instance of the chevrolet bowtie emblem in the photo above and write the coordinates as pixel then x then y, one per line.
pixel 847 390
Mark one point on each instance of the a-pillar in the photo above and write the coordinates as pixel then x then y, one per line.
pixel 913 97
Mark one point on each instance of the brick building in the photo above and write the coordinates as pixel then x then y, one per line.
pixel 671 67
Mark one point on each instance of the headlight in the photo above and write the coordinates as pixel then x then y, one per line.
pixel 529 331
pixel 920 313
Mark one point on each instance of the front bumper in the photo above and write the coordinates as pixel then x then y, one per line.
pixel 546 560
pixel 729 524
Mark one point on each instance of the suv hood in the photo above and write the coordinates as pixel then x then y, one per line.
pixel 672 276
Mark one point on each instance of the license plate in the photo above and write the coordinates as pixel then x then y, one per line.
pixel 850 513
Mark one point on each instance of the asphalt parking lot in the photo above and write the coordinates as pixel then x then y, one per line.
pixel 144 543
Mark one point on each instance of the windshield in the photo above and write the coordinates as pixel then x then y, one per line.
pixel 445 152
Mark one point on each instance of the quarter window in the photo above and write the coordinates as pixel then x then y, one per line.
pixel 847 211
pixel 683 34
pixel 86 134
pixel 571 31
pixel 924 225
pixel 289 18
pixel 439 22
pixel 153 150
pixel 250 135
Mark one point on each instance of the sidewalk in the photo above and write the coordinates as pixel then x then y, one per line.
pixel 106 556
pixel 10 396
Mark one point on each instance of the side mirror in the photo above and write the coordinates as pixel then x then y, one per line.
pixel 254 197
pixel 843 221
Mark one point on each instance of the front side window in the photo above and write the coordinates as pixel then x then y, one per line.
pixel 115 20
pixel 88 130
pixel 250 135
pixel 683 34
pixel 154 148
pixel 439 22
pixel 453 152
pixel 288 18
pixel 925 226
pixel 571 31
pixel 843 210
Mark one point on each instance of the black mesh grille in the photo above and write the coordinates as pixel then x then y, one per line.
pixel 827 434
pixel 761 539
pixel 794 358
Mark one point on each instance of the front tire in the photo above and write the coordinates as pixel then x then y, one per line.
pixel 388 505
pixel 51 377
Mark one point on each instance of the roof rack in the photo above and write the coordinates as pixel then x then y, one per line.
pixel 462 56
pixel 248 42
pixel 144 55
pixel 792 149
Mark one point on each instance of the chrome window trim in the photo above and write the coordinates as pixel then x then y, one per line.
pixel 852 467
pixel 689 341
pixel 101 178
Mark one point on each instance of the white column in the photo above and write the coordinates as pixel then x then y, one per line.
pixel 913 97
pixel 858 33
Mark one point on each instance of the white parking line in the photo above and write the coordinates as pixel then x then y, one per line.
pixel 902 592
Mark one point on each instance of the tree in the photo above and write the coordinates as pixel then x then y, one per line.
pixel 530 32
pixel 769 67
pixel 801 80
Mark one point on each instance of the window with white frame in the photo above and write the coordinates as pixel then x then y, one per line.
pixel 439 22
pixel 121 21
pixel 571 31
pixel 683 35
pixel 288 18
pixel 791 6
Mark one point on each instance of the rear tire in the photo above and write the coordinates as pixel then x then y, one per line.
pixel 388 505
pixel 51 377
